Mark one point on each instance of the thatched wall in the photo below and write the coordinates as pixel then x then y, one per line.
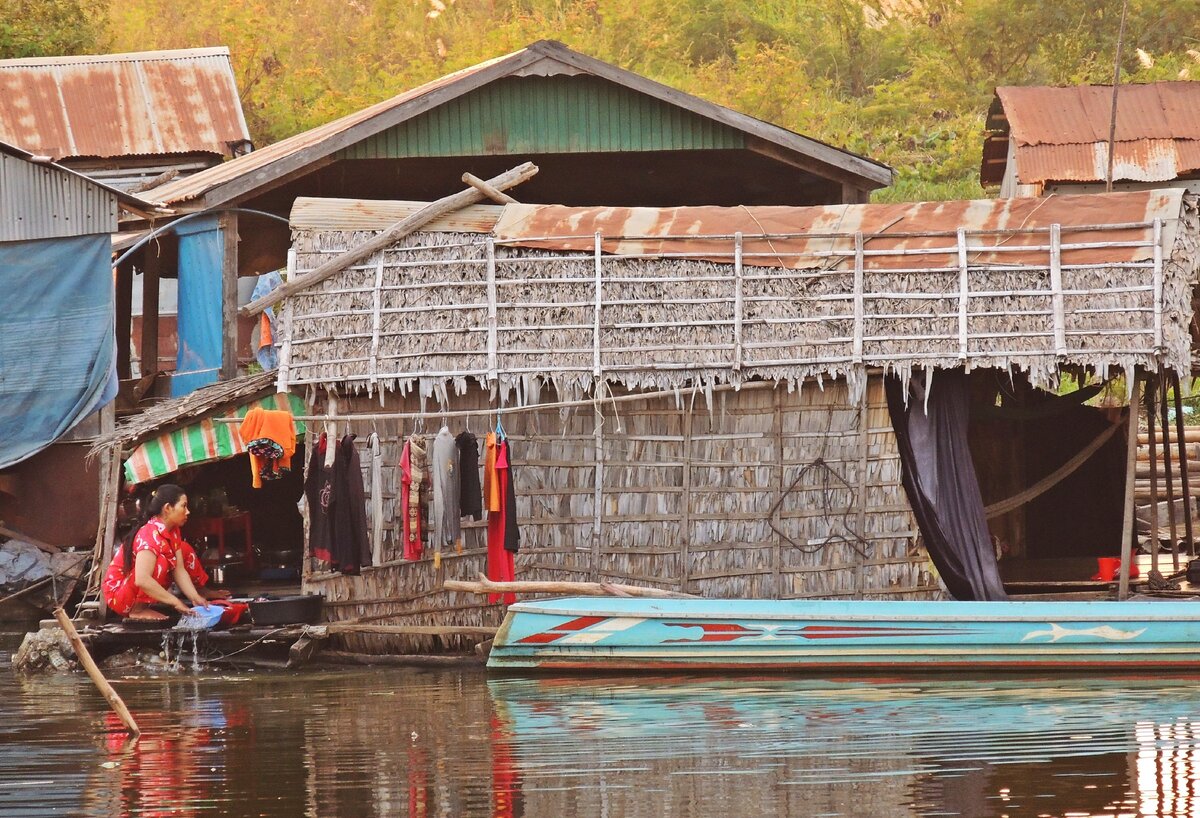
pixel 687 501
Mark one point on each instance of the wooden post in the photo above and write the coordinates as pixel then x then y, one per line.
pixel 864 444
pixel 390 236
pixel 492 328
pixel 777 539
pixel 1151 410
pixel 124 309
pixel 1056 287
pixel 685 551
pixel 1130 478
pixel 284 331
pixel 1184 484
pixel 229 282
pixel 1166 438
pixel 151 266
pixel 89 664
pixel 859 284
pixel 963 284
pixel 737 301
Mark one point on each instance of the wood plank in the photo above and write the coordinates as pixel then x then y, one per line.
pixel 229 282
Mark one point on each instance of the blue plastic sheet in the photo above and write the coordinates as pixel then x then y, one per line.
pixel 57 339
pixel 201 249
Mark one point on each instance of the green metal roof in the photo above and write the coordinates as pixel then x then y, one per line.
pixel 556 114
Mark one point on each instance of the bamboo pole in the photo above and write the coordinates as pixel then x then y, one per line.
pixel 487 586
pixel 390 236
pixel 1130 460
pixel 89 664
pixel 1183 466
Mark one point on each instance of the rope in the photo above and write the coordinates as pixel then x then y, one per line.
pixel 1051 480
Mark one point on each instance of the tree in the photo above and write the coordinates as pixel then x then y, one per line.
pixel 40 28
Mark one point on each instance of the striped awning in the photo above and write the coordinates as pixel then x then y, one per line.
pixel 201 442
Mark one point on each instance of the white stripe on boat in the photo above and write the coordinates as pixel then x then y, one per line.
pixel 1057 632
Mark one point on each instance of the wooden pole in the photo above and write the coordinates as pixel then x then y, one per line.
pixel 89 664
pixel 1184 484
pixel 1130 463
pixel 390 236
pixel 124 312
pixel 1151 410
pixel 483 187
pixel 1166 436
pixel 229 296
pixel 486 586
pixel 151 264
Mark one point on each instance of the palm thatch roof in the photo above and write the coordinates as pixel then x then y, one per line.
pixel 664 298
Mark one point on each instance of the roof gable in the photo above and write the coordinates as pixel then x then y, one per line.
pixel 265 167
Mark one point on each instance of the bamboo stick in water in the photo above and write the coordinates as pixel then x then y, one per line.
pixel 89 664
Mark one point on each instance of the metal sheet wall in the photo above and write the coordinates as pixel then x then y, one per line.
pixel 41 202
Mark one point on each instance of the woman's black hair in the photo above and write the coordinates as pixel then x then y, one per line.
pixel 167 494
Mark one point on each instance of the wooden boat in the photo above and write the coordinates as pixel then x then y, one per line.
pixel 592 634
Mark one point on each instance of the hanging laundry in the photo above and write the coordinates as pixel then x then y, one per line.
pixel 416 498
pixel 443 470
pixel 491 489
pixel 470 497
pixel 270 438
pixel 318 491
pixel 351 548
pixel 410 518
pixel 500 564
pixel 376 448
pixel 512 533
pixel 266 352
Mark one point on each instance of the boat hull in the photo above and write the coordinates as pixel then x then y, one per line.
pixel 591 634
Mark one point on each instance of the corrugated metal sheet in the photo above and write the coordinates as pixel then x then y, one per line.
pixel 156 102
pixel 557 114
pixel 544 58
pixel 371 214
pixel 1061 116
pixel 42 201
pixel 1148 160
pixel 1061 134
pixel 834 226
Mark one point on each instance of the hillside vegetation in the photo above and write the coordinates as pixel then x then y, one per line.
pixel 903 81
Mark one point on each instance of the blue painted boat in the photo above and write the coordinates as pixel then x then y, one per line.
pixel 600 633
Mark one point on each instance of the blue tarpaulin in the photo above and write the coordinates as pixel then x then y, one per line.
pixel 201 249
pixel 57 339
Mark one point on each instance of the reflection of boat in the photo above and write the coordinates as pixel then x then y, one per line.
pixel 816 635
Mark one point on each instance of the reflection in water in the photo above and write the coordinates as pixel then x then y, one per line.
pixel 386 743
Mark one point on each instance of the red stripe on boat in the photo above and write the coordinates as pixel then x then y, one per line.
pixel 580 623
pixel 540 638
pixel 845 632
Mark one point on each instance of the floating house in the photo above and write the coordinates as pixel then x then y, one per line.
pixel 760 402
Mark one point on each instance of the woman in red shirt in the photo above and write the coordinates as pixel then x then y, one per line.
pixel 158 555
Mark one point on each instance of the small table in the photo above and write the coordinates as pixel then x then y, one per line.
pixel 219 527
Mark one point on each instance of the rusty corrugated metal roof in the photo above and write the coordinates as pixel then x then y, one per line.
pixel 309 149
pixel 802 237
pixel 1061 134
pixel 310 213
pixel 139 104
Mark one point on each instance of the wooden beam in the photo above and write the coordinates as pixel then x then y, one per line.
pixel 1128 521
pixel 487 190
pixel 390 236
pixel 229 282
pixel 151 267
pixel 124 304
pixel 486 586
pixel 13 534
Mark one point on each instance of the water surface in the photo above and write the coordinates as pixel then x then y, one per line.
pixel 365 742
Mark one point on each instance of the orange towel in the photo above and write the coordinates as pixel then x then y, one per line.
pixel 272 424
pixel 491 485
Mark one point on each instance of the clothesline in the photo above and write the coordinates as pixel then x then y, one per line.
pixel 505 410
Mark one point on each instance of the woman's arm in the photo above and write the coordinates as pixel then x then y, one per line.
pixel 185 582
pixel 143 577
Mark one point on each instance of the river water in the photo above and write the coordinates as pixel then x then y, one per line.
pixel 367 742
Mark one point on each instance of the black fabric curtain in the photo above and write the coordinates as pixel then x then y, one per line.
pixel 939 479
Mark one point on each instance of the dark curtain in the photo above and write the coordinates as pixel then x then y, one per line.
pixel 939 479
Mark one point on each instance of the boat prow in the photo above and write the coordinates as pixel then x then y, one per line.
pixel 636 634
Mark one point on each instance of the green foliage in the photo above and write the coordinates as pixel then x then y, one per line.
pixel 907 82
pixel 38 28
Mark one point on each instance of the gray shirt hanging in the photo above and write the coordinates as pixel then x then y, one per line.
pixel 446 528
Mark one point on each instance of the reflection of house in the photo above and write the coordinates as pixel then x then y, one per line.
pixel 125 119
pixel 56 339
pixel 599 133
pixel 1044 140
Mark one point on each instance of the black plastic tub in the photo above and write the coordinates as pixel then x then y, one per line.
pixel 287 610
